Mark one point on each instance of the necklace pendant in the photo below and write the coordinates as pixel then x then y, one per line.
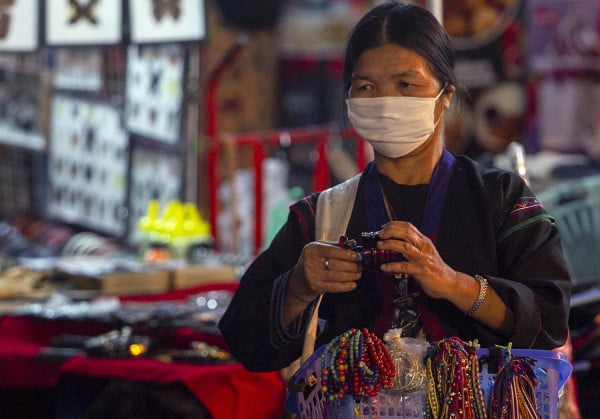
pixel 405 316
pixel 406 301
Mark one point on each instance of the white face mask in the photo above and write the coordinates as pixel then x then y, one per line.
pixel 393 125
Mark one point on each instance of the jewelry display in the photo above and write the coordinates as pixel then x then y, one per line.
pixel 454 389
pixel 513 394
pixel 355 363
pixel 201 353
pixel 121 343
pixel 458 380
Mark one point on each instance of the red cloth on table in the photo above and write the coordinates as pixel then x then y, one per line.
pixel 21 339
pixel 227 391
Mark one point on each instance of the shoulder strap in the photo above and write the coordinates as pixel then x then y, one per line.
pixel 334 208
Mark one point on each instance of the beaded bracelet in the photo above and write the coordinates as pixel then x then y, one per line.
pixel 483 286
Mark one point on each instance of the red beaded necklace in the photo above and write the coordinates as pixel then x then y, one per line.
pixel 355 363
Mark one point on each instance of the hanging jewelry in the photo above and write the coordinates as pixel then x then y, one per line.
pixel 356 363
pixel 454 389
pixel 513 394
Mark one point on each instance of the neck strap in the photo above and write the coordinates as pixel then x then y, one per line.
pixel 430 222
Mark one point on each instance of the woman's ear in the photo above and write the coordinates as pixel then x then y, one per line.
pixel 447 96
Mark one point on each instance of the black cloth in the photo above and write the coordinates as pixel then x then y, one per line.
pixel 491 225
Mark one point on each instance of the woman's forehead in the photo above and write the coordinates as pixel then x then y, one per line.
pixel 391 61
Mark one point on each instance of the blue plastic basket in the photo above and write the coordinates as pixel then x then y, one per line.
pixel 305 399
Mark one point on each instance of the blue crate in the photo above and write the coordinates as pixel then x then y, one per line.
pixel 305 399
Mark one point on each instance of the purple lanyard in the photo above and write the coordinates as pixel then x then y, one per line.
pixel 430 223
pixel 434 202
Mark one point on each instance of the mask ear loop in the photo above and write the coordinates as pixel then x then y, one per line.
pixel 441 91
pixel 442 111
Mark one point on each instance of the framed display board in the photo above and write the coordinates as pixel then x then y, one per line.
pixel 20 112
pixel 17 182
pixel 84 22
pixel 87 165
pixel 78 69
pixel 19 25
pixel 154 91
pixel 167 21
pixel 155 174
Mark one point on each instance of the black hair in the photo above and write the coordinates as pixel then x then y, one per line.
pixel 408 26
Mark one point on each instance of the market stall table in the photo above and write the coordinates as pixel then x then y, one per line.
pixel 227 391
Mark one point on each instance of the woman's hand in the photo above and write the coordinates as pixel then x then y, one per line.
pixel 438 280
pixel 323 267
pixel 423 262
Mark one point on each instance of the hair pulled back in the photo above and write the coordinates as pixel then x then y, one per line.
pixel 407 26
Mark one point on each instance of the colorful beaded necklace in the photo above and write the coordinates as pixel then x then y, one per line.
pixel 513 394
pixel 454 389
pixel 356 363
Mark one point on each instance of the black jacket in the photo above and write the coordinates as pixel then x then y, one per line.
pixel 491 225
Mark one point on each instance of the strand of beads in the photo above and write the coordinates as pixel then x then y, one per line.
pixel 454 389
pixel 355 363
pixel 513 395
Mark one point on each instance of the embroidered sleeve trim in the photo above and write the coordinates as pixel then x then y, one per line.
pixel 305 212
pixel 524 224
pixel 525 204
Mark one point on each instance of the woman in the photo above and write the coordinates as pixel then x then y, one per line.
pixel 482 257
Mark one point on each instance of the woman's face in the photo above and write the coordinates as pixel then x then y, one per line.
pixel 390 70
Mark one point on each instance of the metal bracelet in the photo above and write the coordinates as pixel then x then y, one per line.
pixel 483 286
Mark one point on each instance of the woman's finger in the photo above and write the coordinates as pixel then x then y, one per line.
pixel 341 265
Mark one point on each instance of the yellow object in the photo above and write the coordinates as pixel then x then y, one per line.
pixel 137 349
pixel 179 226
pixel 147 222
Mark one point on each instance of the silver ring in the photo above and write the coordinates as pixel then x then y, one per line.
pixel 327 267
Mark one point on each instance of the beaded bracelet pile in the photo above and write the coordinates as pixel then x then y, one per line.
pixel 454 389
pixel 356 363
